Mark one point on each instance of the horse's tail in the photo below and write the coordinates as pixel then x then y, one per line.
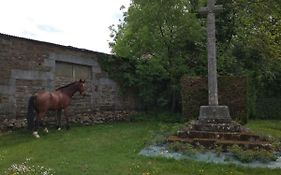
pixel 31 112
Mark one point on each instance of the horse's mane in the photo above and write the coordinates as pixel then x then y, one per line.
pixel 70 84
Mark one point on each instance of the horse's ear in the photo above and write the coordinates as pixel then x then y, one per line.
pixel 80 81
pixel 84 81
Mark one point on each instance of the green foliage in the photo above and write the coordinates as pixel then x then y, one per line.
pixel 120 69
pixel 159 41
pixel 185 148
pixel 165 41
pixel 250 155
pixel 249 42
pixel 155 27
pixel 218 149
pixel 166 117
pixel 268 108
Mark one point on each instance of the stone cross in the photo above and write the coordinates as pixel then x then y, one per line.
pixel 212 65
pixel 212 112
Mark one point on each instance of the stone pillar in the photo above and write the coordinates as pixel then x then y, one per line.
pixel 213 111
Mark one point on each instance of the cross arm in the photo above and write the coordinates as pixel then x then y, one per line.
pixel 206 10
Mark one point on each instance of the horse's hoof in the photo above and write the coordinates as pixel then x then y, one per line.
pixel 36 135
pixel 46 130
pixel 59 129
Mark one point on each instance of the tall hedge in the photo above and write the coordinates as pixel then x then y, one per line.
pixel 233 92
pixel 268 108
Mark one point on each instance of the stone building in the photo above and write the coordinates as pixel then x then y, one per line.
pixel 28 65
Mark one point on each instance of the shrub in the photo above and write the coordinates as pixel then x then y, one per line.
pixel 181 147
pixel 250 155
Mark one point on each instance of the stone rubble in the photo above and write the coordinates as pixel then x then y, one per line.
pixel 7 123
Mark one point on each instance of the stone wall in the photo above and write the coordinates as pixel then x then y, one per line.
pixel 11 123
pixel 29 65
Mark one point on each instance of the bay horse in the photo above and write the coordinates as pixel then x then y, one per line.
pixel 57 100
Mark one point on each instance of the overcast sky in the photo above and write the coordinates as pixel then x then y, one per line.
pixel 77 23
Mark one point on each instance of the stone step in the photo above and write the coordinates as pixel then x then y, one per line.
pixel 216 120
pixel 242 136
pixel 179 139
pixel 247 144
pixel 216 127
pixel 211 143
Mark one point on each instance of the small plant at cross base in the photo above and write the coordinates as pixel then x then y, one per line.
pixel 249 155
pixel 239 153
pixel 185 148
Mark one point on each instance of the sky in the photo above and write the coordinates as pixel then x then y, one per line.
pixel 78 23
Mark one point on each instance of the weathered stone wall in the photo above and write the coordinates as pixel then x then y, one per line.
pixel 83 118
pixel 28 65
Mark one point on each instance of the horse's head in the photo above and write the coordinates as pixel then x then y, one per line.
pixel 81 87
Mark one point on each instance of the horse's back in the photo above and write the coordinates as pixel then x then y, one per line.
pixel 52 100
pixel 47 100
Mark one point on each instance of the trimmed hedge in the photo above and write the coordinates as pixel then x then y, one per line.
pixel 268 108
pixel 233 92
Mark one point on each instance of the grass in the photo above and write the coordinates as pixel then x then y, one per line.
pixel 112 149
pixel 266 127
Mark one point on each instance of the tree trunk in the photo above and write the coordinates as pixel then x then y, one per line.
pixel 173 99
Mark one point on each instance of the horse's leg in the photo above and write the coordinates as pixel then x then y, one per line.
pixel 44 126
pixel 66 118
pixel 37 123
pixel 42 123
pixel 59 119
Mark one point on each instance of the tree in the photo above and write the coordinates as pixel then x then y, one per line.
pixel 249 36
pixel 167 41
pixel 163 39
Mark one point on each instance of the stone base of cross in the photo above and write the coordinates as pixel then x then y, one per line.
pixel 214 113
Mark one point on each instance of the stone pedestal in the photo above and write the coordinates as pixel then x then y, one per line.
pixel 214 127
pixel 214 113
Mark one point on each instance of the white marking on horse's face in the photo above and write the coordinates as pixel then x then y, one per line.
pixel 59 129
pixel 82 89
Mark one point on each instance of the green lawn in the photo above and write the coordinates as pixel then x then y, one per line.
pixel 266 127
pixel 111 149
